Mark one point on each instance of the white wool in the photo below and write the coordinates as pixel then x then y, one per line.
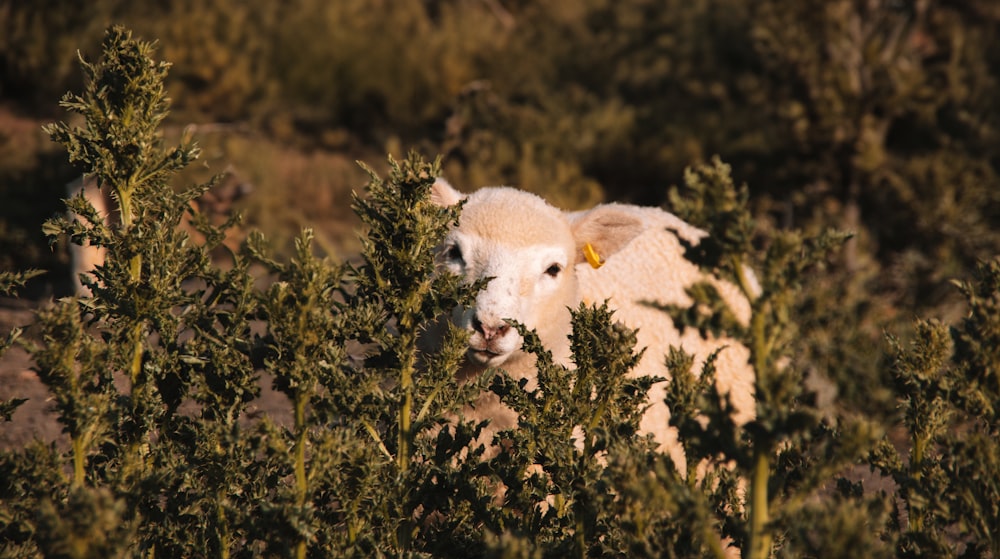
pixel 516 237
pixel 652 269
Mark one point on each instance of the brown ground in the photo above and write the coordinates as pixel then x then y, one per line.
pixel 35 420
pixel 17 380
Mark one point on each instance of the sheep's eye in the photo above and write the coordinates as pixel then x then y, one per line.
pixel 454 254
pixel 553 270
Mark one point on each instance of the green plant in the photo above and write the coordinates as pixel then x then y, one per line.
pixel 947 472
pixel 152 378
pixel 168 458
pixel 792 449
pixel 560 500
pixel 383 455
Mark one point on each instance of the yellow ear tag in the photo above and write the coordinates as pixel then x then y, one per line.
pixel 592 257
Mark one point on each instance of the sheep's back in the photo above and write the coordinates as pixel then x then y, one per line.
pixel 652 270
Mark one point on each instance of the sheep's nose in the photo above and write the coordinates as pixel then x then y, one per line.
pixel 490 332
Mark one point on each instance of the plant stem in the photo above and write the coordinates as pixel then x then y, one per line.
pixel 79 454
pixel 714 542
pixel 406 386
pixel 760 539
pixel 408 365
pixel 300 448
pixel 135 370
pixel 68 355
pixel 402 455
pixel 135 275
pixel 127 215
pixel 220 513
pixel 743 279
pixel 301 483
pixel 916 513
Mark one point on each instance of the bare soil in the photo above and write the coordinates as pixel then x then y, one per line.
pixel 35 419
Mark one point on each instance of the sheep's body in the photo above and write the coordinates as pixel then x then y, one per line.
pixel 535 253
pixel 652 269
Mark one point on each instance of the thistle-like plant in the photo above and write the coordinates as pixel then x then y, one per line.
pixel 413 421
pixel 162 321
pixel 948 472
pixel 791 450
pixel 380 460
pixel 560 498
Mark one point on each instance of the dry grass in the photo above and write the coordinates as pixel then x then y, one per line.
pixel 286 188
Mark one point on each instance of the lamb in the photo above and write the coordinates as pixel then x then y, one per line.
pixel 537 257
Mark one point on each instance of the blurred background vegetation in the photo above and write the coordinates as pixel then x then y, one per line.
pixel 881 117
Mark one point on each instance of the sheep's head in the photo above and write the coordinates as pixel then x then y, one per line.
pixel 528 250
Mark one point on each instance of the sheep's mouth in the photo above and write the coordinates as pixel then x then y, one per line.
pixel 492 351
pixel 487 356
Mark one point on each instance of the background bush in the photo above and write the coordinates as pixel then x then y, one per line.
pixel 876 117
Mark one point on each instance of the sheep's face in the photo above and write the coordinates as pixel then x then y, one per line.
pixel 529 251
pixel 526 250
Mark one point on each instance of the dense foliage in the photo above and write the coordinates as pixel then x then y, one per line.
pixel 152 375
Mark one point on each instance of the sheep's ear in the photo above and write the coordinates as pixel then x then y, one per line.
pixel 443 194
pixel 603 231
